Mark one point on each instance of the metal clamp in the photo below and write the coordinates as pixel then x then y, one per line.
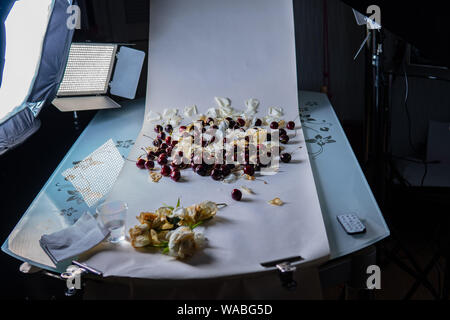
pixel 73 274
pixel 286 271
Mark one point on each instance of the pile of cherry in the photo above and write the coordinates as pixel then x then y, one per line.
pixel 165 145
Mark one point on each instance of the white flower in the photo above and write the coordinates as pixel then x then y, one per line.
pixel 171 117
pixel 275 112
pixel 212 112
pixel 169 113
pixel 223 102
pixel 153 116
pixel 252 105
pixel 225 112
pixel 175 121
pixel 190 111
pixel 183 243
pixel 223 126
pixel 179 212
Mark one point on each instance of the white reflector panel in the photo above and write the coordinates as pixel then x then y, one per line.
pixel 88 69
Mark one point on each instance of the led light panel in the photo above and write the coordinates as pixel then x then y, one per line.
pixel 88 69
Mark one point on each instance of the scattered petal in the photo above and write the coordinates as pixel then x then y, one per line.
pixel 155 176
pixel 247 190
pixel 276 202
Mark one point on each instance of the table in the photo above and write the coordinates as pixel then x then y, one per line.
pixel 340 183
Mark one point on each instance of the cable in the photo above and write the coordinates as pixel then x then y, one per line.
pixel 408 116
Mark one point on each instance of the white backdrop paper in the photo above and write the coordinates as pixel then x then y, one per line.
pixel 200 49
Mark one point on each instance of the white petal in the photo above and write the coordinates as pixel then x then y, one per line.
pixel 169 113
pixel 275 112
pixel 252 104
pixel 230 179
pixel 175 121
pixel 223 102
pixel 190 111
pixel 212 112
pixel 153 116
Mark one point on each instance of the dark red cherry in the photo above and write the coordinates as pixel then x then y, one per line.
pixel 236 194
pixel 165 170
pixel 149 164
pixel 169 140
pixel 169 128
pixel 158 129
pixel 241 122
pixel 182 129
pixel 140 163
pixel 249 170
pixel 180 153
pixel 174 143
pixel 274 125
pixel 290 125
pixel 258 123
pixel 151 155
pixel 282 132
pixel 216 174
pixel 285 157
pixel 163 146
pixel 225 170
pixel 162 159
pixel 175 175
pixel 284 139
pixel 162 136
pixel 201 170
pixel 157 142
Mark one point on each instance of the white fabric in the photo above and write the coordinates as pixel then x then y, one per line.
pixel 201 49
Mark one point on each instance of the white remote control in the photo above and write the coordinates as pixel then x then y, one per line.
pixel 351 224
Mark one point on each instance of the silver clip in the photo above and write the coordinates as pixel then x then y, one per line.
pixel 286 271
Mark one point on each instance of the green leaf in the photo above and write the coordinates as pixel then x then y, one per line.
pixel 199 223
pixel 166 250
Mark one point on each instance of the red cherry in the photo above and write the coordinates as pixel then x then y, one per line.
pixel 162 159
pixel 149 164
pixel 182 129
pixel 169 140
pixel 165 170
pixel 241 122
pixel 285 157
pixel 236 194
pixel 161 136
pixel 158 129
pixel 169 128
pixel 216 174
pixel 274 125
pixel 290 125
pixel 175 175
pixel 249 170
pixel 140 163
pixel 284 139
